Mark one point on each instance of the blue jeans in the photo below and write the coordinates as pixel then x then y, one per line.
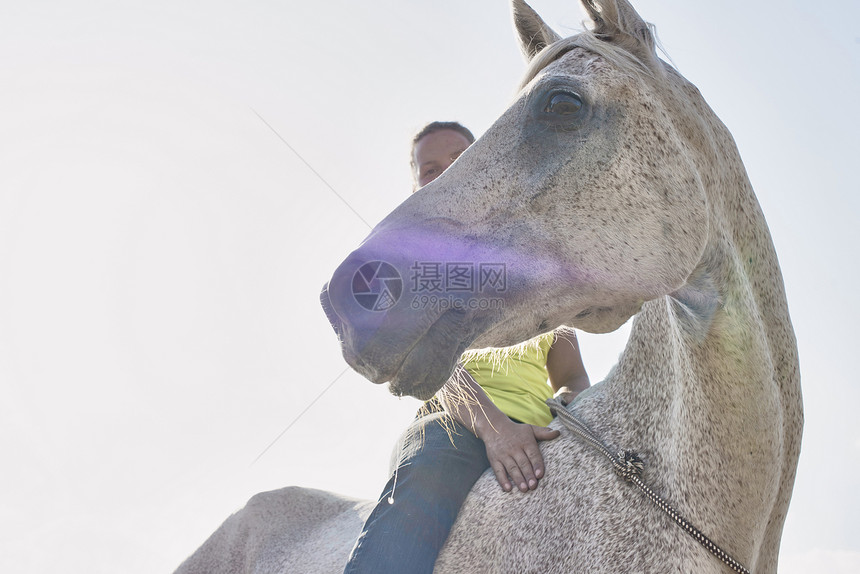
pixel 439 461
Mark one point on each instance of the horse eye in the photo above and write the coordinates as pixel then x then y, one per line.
pixel 564 103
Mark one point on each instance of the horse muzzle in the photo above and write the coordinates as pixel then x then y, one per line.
pixel 396 325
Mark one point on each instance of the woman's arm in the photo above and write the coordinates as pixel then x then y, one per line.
pixel 511 447
pixel 567 374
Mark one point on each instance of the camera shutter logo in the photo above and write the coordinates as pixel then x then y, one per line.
pixel 377 286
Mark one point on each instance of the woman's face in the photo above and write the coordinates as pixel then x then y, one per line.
pixel 435 152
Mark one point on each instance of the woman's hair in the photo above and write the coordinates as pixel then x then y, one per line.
pixel 437 126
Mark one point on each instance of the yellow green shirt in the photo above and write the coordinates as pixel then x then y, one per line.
pixel 515 378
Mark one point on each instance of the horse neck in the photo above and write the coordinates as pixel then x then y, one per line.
pixel 708 388
pixel 725 343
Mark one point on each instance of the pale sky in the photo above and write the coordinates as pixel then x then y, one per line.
pixel 178 179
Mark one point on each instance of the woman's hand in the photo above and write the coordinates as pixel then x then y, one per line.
pixel 514 454
pixel 512 448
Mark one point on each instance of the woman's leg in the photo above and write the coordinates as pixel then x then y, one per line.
pixel 440 462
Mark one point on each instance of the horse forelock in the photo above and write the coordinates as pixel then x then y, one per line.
pixel 615 54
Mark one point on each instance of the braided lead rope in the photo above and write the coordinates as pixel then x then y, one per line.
pixel 629 466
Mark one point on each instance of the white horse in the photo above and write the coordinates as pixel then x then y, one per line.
pixel 608 189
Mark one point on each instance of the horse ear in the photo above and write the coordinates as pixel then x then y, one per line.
pixel 534 34
pixel 618 22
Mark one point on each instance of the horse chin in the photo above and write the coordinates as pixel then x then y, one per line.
pixel 423 392
pixel 425 371
pixel 421 384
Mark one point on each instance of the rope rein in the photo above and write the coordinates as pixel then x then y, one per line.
pixel 629 466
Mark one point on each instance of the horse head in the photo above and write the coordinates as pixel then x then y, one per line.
pixel 585 199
